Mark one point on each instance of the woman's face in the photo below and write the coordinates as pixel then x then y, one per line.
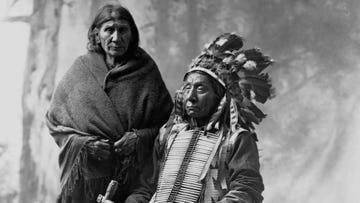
pixel 199 97
pixel 115 37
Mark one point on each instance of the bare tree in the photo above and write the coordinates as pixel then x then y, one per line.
pixel 38 86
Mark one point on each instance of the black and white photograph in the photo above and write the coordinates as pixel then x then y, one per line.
pixel 183 101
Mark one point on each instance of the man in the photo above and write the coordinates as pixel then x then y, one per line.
pixel 207 152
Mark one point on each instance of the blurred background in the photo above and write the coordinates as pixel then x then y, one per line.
pixel 309 142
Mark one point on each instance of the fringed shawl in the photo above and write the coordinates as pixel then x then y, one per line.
pixel 91 102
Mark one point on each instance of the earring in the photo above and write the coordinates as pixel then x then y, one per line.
pixel 97 39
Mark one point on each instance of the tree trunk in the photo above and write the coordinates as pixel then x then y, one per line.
pixel 39 169
pixel 38 86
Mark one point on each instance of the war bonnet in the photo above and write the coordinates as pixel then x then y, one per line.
pixel 240 72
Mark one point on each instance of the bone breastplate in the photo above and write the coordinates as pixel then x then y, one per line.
pixel 185 161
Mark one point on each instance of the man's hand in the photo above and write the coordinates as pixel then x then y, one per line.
pixel 127 144
pixel 99 149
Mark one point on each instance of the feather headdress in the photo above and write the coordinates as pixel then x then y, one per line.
pixel 240 72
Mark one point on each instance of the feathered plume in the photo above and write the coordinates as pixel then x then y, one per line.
pixel 241 73
pixel 179 106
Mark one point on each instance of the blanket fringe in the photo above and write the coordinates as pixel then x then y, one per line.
pixel 76 177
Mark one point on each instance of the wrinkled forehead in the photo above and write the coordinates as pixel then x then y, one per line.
pixel 197 78
pixel 115 23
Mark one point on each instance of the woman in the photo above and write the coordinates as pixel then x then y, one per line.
pixel 207 151
pixel 106 112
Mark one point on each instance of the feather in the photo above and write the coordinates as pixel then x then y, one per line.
pixel 257 112
pixel 179 110
pixel 262 61
pixel 259 84
pixel 215 117
pixel 234 115
pixel 225 43
pixel 249 115
pixel 257 80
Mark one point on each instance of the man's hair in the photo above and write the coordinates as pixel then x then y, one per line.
pixel 105 14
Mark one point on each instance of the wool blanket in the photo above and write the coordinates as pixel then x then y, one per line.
pixel 92 103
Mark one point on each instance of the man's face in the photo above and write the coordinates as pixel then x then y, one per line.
pixel 115 37
pixel 199 97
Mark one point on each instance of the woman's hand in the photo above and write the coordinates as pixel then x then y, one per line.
pixel 99 149
pixel 127 144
